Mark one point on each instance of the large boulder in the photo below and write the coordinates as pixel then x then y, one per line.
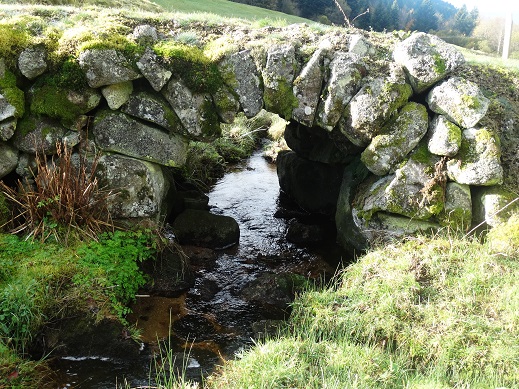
pixel 106 67
pixel 314 186
pixel 8 159
pixel 63 103
pixel 343 84
pixel 139 187
pixel 460 100
pixel 278 78
pixel 241 74
pixel 153 109
pixel 478 160
pixel 38 135
pixel 117 132
pixel 444 137
pixel 32 62
pixel 195 110
pixel 153 69
pixel 372 106
pixel 205 229
pixel 416 189
pixel 307 89
pixel 427 59
pixel 397 139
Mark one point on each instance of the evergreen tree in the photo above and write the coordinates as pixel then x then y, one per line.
pixel 424 18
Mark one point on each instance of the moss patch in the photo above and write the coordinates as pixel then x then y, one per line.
pixel 197 71
pixel 281 100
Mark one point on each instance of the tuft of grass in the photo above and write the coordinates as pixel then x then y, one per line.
pixel 65 201
pixel 438 312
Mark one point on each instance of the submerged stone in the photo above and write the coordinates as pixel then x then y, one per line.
pixel 205 229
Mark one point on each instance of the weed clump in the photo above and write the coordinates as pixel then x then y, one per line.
pixel 64 201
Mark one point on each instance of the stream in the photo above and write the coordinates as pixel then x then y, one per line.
pixel 221 314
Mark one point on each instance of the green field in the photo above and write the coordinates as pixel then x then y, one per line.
pixel 227 9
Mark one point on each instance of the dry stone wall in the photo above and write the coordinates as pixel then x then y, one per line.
pixel 383 138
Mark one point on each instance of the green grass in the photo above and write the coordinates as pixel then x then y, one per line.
pixel 440 312
pixel 477 58
pixel 228 9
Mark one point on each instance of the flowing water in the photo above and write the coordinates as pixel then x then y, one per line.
pixel 213 320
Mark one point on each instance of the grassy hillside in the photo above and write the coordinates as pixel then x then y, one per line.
pixel 227 8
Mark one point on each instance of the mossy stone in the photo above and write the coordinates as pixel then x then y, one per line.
pixel 281 100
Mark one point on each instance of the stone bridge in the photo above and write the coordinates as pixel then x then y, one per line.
pixel 385 136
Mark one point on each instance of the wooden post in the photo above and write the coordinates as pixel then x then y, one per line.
pixel 508 35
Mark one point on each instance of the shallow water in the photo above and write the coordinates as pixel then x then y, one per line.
pixel 212 321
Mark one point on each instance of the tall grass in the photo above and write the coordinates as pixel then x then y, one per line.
pixel 65 199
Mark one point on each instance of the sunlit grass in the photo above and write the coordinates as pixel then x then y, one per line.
pixel 478 58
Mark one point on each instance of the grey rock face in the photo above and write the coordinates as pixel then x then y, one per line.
pixel 278 78
pixel 373 105
pixel 227 105
pixel 457 213
pixel 461 101
pixel 139 187
pixel 193 109
pixel 491 205
pixel 444 137
pixel 145 34
pixel 42 137
pixel 307 89
pixel 106 67
pixel 397 139
pixel 153 109
pixel 343 84
pixel 151 66
pixel 8 159
pixel 32 62
pixel 119 133
pixel 206 229
pixel 6 110
pixel 117 94
pixel 7 129
pixel 360 46
pixel 478 161
pixel 410 192
pixel 241 74
pixel 427 59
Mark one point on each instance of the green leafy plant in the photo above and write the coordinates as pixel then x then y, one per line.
pixel 110 266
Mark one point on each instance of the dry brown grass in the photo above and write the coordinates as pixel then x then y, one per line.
pixel 64 201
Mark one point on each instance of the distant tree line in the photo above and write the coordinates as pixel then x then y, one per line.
pixel 420 15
